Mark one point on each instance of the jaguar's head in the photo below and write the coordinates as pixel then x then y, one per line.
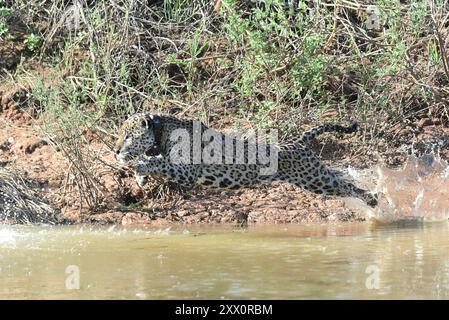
pixel 137 137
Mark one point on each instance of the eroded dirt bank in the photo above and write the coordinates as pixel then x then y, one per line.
pixel 26 149
pixel 66 85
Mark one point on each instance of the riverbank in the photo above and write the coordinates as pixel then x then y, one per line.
pixel 25 149
pixel 70 75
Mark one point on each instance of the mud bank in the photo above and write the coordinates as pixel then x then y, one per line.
pixel 64 90
pixel 25 149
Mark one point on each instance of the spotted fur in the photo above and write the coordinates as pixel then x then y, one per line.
pixel 144 144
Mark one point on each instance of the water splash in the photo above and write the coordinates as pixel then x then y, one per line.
pixel 8 237
pixel 416 192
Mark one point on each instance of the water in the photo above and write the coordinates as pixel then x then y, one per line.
pixel 417 191
pixel 349 261
pixel 402 253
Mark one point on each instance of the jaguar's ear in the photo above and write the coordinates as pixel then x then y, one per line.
pixel 154 120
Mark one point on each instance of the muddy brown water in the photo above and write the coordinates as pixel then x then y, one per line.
pixel 402 251
pixel 406 259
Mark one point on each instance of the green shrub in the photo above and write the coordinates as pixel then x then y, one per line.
pixel 33 42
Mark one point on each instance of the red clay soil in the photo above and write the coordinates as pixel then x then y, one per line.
pixel 23 147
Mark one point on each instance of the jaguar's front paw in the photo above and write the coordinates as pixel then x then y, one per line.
pixel 140 168
pixel 141 180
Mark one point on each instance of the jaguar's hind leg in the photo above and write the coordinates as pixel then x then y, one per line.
pixel 304 169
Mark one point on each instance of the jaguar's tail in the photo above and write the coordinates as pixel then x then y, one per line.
pixel 313 133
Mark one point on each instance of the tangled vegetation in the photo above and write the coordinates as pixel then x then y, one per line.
pixel 258 64
pixel 19 202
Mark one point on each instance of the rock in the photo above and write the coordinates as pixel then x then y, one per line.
pixel 133 218
pixel 106 218
pixel 183 213
pixel 436 121
pixel 425 122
